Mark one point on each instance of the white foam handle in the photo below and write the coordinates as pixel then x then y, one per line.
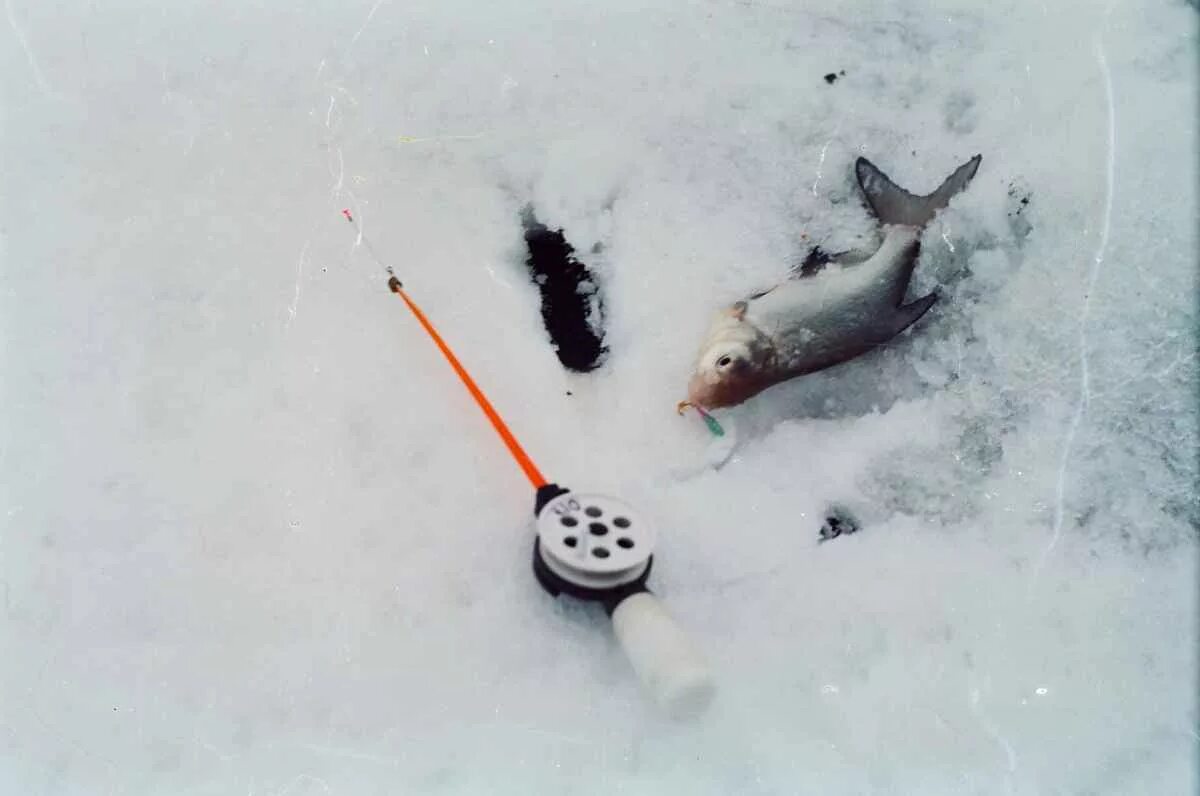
pixel 665 659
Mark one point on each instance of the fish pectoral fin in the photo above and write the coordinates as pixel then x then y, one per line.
pixel 738 309
pixel 909 314
pixel 851 257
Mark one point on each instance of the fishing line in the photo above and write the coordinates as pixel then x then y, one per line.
pixel 510 441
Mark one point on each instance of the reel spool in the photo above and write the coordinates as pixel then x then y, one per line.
pixel 594 543
pixel 598 548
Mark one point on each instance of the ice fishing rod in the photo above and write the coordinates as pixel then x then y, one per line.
pixel 595 548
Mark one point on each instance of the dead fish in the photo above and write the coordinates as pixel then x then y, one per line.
pixel 832 310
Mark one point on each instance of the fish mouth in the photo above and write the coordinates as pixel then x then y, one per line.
pixel 697 393
pixel 723 393
pixel 703 395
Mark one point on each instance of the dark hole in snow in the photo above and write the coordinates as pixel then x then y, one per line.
pixel 570 522
pixel 833 76
pixel 1020 200
pixel 600 552
pixel 625 543
pixel 570 541
pixel 598 529
pixel 570 297
pixel 814 262
pixel 838 521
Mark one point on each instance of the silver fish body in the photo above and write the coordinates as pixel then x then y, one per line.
pixel 826 315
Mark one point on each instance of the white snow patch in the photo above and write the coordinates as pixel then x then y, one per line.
pixel 257 539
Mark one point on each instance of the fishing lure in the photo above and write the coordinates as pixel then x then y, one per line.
pixel 709 420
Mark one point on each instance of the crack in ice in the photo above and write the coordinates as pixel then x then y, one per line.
pixel 1084 374
pixel 20 34
pixel 340 180
pixel 366 21
pixel 299 274
pixel 973 703
pixel 820 164
pixel 821 161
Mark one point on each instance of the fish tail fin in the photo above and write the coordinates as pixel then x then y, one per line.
pixel 894 205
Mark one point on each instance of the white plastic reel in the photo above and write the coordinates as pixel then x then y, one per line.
pixel 594 541
pixel 599 542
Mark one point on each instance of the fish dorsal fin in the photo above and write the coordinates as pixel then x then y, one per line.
pixel 894 205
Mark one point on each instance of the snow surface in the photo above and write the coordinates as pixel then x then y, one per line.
pixel 256 539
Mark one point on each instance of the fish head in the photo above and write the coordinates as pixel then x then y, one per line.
pixel 733 363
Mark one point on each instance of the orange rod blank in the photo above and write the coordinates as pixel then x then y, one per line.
pixel 531 471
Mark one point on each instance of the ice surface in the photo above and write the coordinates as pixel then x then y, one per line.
pixel 256 539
